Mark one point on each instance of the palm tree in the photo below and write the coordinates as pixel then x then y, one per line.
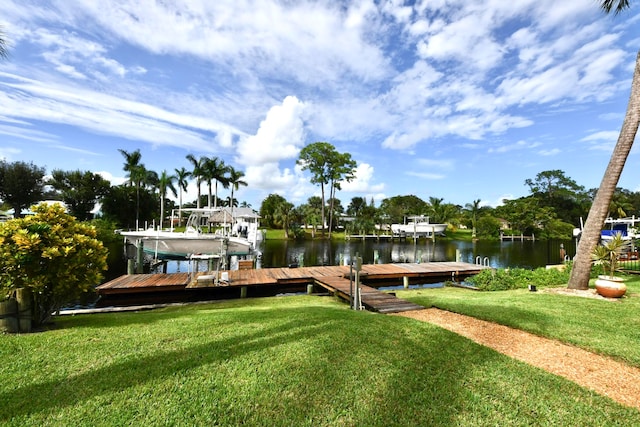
pixel 600 207
pixel 218 173
pixel 181 179
pixel 165 181
pixel 198 172
pixel 4 52
pixel 614 5
pixel 136 172
pixel 473 209
pixel 282 215
pixel 235 181
pixel 230 202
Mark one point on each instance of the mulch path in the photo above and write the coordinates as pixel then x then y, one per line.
pixel 604 375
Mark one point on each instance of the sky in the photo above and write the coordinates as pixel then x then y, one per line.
pixel 454 99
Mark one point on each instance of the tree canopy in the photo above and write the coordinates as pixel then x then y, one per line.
pixel 21 185
pixel 80 191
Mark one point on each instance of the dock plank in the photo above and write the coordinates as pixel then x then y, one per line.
pixel 334 277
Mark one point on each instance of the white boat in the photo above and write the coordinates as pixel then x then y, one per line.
pixel 235 233
pixel 418 226
pixel 623 226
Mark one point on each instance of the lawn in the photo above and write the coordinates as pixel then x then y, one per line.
pixel 601 326
pixel 294 361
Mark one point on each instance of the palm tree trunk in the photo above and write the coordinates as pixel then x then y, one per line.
pixel 161 209
pixel 231 201
pixel 210 195
pixel 598 213
pixel 322 209
pixel 331 197
pixel 179 210
pixel 198 201
pixel 215 201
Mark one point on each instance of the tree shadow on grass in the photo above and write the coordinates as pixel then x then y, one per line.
pixel 416 374
pixel 54 394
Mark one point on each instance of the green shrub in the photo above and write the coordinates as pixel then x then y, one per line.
pixel 515 278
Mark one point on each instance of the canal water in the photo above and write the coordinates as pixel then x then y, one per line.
pixel 525 254
pixel 497 254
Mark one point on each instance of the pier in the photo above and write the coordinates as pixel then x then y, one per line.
pixel 198 286
pixel 520 237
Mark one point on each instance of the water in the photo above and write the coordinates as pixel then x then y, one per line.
pixel 527 254
pixel 279 253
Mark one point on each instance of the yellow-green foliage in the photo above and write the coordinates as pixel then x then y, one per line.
pixel 52 254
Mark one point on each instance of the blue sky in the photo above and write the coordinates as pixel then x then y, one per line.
pixel 454 99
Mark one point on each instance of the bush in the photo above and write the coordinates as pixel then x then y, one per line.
pixel 488 227
pixel 518 278
pixel 54 256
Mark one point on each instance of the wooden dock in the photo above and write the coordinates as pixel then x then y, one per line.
pixel 270 281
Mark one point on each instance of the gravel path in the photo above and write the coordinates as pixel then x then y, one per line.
pixel 608 377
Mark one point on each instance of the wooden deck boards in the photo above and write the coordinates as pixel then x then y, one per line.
pixel 334 278
pixel 371 298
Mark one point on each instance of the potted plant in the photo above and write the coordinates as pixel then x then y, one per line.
pixel 608 256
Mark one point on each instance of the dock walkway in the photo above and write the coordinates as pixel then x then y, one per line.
pixel 257 281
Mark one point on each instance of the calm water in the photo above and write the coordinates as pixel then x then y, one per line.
pixel 527 254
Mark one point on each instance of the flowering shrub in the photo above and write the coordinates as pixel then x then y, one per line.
pixel 53 255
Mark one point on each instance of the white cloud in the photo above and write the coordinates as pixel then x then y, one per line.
pixel 7 153
pixel 607 135
pixel 362 183
pixel 114 180
pixel 519 145
pixel 281 135
pixel 551 152
pixel 426 175
pixel 603 140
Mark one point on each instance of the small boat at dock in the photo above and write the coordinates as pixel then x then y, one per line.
pixel 418 226
pixel 234 233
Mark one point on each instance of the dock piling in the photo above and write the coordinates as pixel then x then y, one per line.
pixel 139 256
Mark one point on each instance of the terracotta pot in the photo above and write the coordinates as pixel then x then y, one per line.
pixel 610 287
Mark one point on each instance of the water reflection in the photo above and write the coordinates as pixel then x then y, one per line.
pixel 527 254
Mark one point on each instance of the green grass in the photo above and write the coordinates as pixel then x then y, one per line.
pixel 296 361
pixel 604 327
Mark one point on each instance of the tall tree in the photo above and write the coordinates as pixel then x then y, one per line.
pixel 219 175
pixel 341 168
pixel 556 190
pixel 136 173
pixel 397 208
pixel 311 213
pixel 21 185
pixel 327 166
pixel 282 216
pixel 581 270
pixel 117 205
pixel 315 158
pixel 165 182
pixel 182 176
pixel 80 191
pixel 198 172
pixel 473 209
pixel 268 209
pixel 235 181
